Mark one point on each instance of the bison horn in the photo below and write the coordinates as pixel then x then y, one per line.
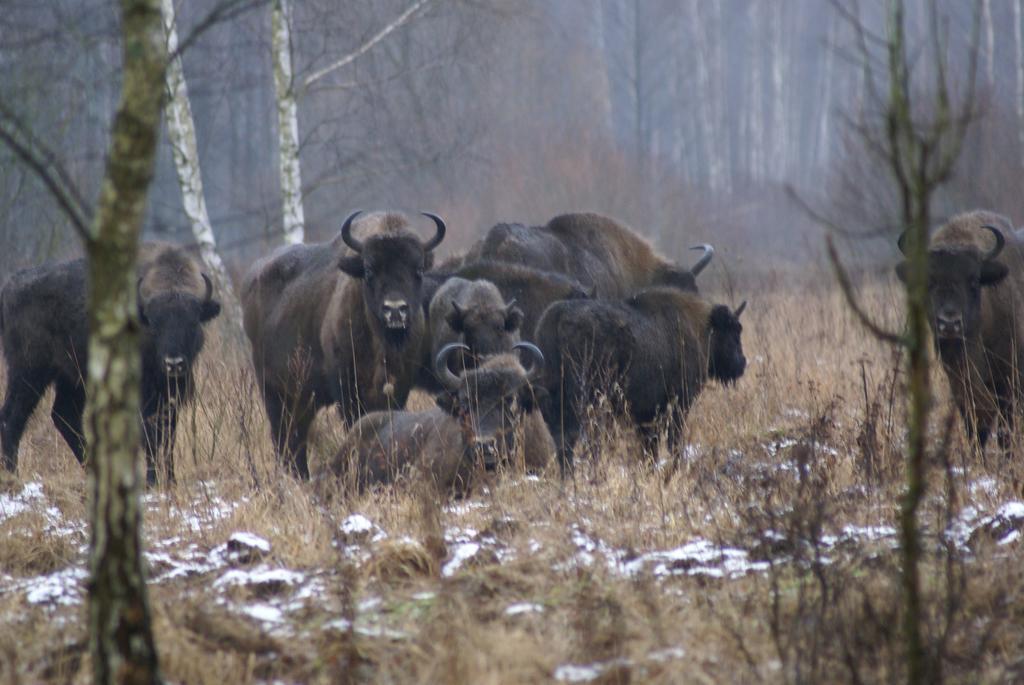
pixel 705 259
pixel 1000 243
pixel 901 242
pixel 537 367
pixel 739 310
pixel 448 379
pixel 346 232
pixel 439 236
pixel 209 288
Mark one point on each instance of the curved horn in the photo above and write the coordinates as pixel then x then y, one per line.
pixel 439 236
pixel 705 259
pixel 209 288
pixel 538 359
pixel 448 379
pixel 901 242
pixel 1000 243
pixel 739 310
pixel 346 232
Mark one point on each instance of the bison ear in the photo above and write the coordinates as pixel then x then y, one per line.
pixel 901 271
pixel 513 319
pixel 993 272
pixel 448 403
pixel 210 309
pixel 352 265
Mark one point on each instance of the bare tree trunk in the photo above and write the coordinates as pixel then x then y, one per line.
pixel 707 139
pixel 990 43
pixel 779 141
pixel 181 131
pixel 756 128
pixel 287 123
pixel 824 142
pixel 120 634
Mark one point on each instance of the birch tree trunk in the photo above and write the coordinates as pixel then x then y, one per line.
pixel 706 138
pixel 824 141
pixel 181 131
pixel 120 634
pixel 287 123
pixel 990 43
pixel 756 144
pixel 779 141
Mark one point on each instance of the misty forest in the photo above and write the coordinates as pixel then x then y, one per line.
pixel 511 341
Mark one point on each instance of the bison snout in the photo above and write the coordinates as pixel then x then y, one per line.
pixel 175 366
pixel 487 450
pixel 949 326
pixel 396 313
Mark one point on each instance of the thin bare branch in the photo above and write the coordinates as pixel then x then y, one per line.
pixel 45 165
pixel 851 299
pixel 224 11
pixel 398 22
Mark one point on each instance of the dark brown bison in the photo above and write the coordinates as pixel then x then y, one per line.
pixel 486 416
pixel 976 305
pixel 45 336
pixel 473 313
pixel 337 323
pixel 596 250
pixel 531 289
pixel 658 347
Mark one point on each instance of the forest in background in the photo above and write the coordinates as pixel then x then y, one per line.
pixel 686 119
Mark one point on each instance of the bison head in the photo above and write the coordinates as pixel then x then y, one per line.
pixel 489 401
pixel 726 362
pixel 955 280
pixel 391 267
pixel 684 279
pixel 487 329
pixel 173 321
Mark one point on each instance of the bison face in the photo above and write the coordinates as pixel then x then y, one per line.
pixel 174 323
pixel 391 267
pixel 487 330
pixel 955 280
pixel 489 402
pixel 726 362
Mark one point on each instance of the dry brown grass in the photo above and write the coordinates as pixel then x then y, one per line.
pixel 779 580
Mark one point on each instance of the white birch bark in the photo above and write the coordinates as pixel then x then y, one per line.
pixel 1017 39
pixel 287 123
pixel 181 133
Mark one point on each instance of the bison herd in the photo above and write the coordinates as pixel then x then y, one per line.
pixel 516 338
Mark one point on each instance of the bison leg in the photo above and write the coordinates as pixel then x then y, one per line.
pixel 68 407
pixel 290 429
pixel 159 427
pixel 23 393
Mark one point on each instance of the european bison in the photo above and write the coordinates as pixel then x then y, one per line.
pixel 470 312
pixel 976 304
pixel 659 346
pixel 45 337
pixel 486 415
pixel 596 250
pixel 337 323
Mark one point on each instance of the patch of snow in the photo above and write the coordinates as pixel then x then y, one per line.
pixel 243 539
pixel 267 577
pixel 63 587
pixel 263 612
pixel 573 673
pixel 424 596
pixel 460 554
pixel 523 608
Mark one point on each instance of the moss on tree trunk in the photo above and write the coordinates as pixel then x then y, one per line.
pixel 121 638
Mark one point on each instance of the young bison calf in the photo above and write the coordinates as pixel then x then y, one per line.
pixel 486 415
